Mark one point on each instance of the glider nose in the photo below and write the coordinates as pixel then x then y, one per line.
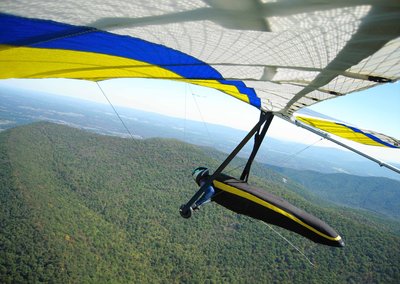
pixel 340 243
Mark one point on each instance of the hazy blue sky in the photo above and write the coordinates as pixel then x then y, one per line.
pixel 375 109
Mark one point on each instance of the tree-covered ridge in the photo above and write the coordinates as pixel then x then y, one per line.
pixel 79 207
pixel 376 194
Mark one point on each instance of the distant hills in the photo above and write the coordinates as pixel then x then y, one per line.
pixel 81 207
pixel 21 107
pixel 376 194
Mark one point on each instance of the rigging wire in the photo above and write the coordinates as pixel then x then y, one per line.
pixel 290 243
pixel 209 140
pixel 235 168
pixel 186 136
pixel 285 160
pixel 119 117
pixel 201 115
pixel 205 125
pixel 123 123
pixel 185 120
pixel 277 233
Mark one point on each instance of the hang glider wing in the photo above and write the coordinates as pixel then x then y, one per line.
pixel 349 132
pixel 278 56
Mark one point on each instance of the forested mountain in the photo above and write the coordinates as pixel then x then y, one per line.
pixel 376 194
pixel 78 207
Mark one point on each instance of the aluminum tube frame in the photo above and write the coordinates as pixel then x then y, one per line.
pixel 263 118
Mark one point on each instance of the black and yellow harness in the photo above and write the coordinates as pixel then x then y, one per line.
pixel 242 198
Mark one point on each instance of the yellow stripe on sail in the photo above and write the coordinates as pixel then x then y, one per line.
pixel 339 130
pixel 28 62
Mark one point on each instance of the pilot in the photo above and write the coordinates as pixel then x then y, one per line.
pixel 200 175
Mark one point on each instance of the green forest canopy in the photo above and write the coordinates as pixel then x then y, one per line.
pixel 80 207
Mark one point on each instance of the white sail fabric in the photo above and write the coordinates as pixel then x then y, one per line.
pixel 293 53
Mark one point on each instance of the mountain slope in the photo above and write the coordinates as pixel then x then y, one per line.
pixel 79 207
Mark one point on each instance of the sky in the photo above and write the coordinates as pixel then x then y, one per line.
pixel 373 109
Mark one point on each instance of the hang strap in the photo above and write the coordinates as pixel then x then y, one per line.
pixel 258 139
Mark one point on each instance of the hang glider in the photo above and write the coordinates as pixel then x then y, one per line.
pixel 279 56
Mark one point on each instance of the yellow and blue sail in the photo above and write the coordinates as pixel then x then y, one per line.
pixel 351 132
pixel 35 48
